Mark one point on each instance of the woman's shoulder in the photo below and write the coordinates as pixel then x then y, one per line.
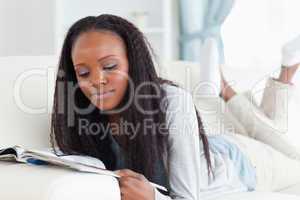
pixel 170 88
pixel 180 114
pixel 183 127
pixel 179 99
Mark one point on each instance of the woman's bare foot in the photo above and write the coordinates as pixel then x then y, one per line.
pixel 227 92
pixel 287 74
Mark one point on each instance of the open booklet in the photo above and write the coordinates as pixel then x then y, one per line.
pixel 79 163
pixel 74 162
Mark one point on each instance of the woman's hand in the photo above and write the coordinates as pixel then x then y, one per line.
pixel 134 186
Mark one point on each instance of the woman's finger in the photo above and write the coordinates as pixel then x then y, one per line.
pixel 128 172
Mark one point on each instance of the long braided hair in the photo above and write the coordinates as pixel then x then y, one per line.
pixel 145 148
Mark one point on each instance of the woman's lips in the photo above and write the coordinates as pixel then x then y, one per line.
pixel 103 95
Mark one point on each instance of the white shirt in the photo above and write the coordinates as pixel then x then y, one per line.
pixel 184 146
pixel 188 174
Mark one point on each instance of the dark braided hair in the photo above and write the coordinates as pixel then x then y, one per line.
pixel 144 149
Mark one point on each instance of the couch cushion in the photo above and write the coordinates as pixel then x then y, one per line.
pixel 20 181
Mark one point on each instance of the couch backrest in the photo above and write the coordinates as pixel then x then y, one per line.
pixel 251 79
pixel 186 74
pixel 27 85
pixel 182 73
pixel 26 100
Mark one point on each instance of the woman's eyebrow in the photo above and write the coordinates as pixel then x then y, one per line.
pixel 99 60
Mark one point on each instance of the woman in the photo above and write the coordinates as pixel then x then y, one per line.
pixel 110 104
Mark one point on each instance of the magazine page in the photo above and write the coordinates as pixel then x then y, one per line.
pixel 75 162
pixel 40 157
pixel 11 153
pixel 60 161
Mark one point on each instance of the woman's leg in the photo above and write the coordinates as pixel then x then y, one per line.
pixel 267 122
pixel 209 77
pixel 274 170
pixel 207 98
pixel 276 97
pixel 287 73
pixel 258 123
pixel 290 64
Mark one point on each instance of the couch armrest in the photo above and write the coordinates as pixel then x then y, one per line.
pixel 257 196
pixel 295 190
pixel 21 181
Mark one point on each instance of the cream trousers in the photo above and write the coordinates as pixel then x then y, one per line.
pixel 259 131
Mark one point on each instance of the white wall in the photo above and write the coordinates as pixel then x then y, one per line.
pixel 69 11
pixel 76 9
pixel 253 35
pixel 256 29
pixel 37 27
pixel 27 27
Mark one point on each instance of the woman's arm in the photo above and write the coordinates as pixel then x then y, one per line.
pixel 184 147
pixel 184 154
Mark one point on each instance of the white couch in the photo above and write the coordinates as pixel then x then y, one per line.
pixel 27 88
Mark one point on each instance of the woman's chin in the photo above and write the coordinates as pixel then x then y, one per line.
pixel 103 106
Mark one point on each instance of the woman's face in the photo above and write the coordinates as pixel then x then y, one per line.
pixel 101 67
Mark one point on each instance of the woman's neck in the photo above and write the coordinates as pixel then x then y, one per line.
pixel 115 127
pixel 114 122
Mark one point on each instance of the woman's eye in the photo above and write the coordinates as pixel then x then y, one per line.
pixel 83 73
pixel 110 67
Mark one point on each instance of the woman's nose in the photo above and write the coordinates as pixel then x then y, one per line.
pixel 99 78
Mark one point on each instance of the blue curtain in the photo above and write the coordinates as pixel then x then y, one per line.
pixel 200 19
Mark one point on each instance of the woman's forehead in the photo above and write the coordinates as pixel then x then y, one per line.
pixel 100 43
